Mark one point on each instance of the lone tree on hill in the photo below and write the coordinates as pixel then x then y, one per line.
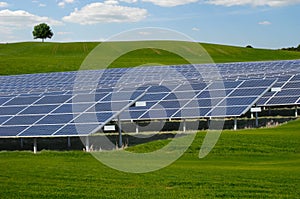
pixel 42 31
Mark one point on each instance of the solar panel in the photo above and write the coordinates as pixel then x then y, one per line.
pixel 22 100
pixel 57 119
pixel 11 110
pixel 11 131
pixel 40 131
pixel 78 129
pixel 45 102
pixel 23 120
pixel 277 101
pixel 211 102
pixel 45 109
pixel 72 108
pixel 59 99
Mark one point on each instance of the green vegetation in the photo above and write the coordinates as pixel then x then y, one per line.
pixel 35 57
pixel 254 163
pixel 293 48
pixel 42 31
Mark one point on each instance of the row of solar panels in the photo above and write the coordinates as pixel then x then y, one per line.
pixel 289 84
pixel 112 77
pixel 59 115
pixel 80 103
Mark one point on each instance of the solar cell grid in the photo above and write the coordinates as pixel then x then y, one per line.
pixel 3 119
pixel 159 114
pixel 59 99
pixel 42 94
pixel 3 100
pixel 79 129
pixel 238 101
pixel 57 119
pixel 39 109
pixel 11 131
pixel 283 100
pixel 23 120
pixel 292 85
pixel 22 101
pixel 72 108
pixel 248 92
pixel 11 110
pixel 289 92
pixel 181 95
pixel 227 111
pixel 43 130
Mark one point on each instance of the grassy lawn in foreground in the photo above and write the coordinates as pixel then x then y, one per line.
pixel 261 163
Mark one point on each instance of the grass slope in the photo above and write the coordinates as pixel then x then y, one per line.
pixel 260 163
pixel 34 57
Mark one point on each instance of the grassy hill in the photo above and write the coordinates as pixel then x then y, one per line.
pixel 255 163
pixel 34 57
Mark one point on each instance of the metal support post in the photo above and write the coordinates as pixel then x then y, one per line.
pixel 137 127
pixel 235 124
pixel 69 142
pixel 87 144
pixel 208 123
pixel 296 111
pixel 120 133
pixel 256 119
pixel 34 145
pixel 184 125
pixel 22 143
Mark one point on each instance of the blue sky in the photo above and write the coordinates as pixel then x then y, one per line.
pixel 262 24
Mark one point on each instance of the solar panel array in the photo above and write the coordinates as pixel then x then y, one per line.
pixel 80 103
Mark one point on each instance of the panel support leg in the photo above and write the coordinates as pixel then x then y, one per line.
pixel 87 144
pixel 34 145
pixel 296 111
pixel 22 143
pixel 69 142
pixel 184 125
pixel 235 124
pixel 208 123
pixel 137 127
pixel 256 120
pixel 120 133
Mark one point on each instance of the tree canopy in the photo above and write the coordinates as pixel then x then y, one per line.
pixel 292 48
pixel 42 31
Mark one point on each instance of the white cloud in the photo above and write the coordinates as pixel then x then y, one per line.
pixel 21 18
pixel 64 33
pixel 111 2
pixel 271 3
pixel 95 13
pixel 3 4
pixel 196 29
pixel 265 23
pixel 63 3
pixel 42 5
pixel 170 3
pixel 129 1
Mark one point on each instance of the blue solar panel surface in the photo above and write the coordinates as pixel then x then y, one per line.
pixel 55 104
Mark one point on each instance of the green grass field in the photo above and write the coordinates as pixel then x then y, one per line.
pixel 260 163
pixel 254 163
pixel 36 57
